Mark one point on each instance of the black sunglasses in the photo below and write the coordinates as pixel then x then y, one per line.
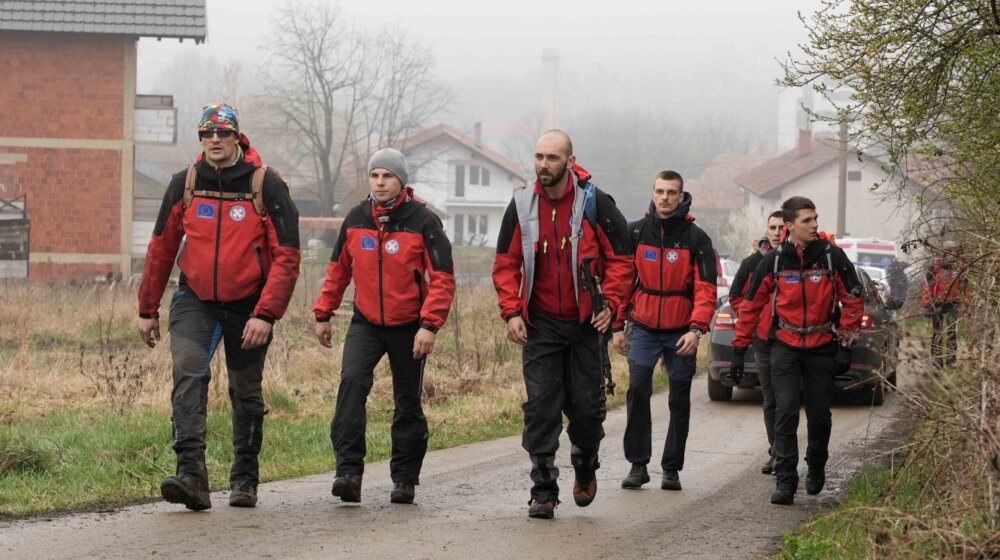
pixel 222 132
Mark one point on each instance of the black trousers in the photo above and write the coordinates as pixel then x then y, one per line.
pixel 364 346
pixel 562 374
pixel 944 339
pixel 811 371
pixel 196 329
pixel 762 357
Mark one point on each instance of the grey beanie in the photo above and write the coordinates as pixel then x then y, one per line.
pixel 393 160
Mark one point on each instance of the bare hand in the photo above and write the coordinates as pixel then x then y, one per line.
pixel 620 342
pixel 149 331
pixel 255 333
pixel 516 331
pixel 324 333
pixel 423 343
pixel 602 321
pixel 688 344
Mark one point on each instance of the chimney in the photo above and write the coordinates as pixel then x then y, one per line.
pixel 479 134
pixel 804 146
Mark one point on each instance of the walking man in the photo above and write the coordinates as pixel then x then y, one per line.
pixel 396 252
pixel 550 232
pixel 670 310
pixel 814 296
pixel 761 344
pixel 238 269
pixel 942 298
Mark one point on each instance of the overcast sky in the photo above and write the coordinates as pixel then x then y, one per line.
pixel 682 59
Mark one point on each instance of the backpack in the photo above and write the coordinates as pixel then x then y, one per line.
pixel 256 188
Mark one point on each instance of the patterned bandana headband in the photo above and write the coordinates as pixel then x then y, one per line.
pixel 219 115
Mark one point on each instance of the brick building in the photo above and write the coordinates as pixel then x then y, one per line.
pixel 67 124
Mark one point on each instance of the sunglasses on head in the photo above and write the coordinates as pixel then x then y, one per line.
pixel 222 132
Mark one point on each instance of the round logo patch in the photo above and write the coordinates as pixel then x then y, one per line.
pixel 672 256
pixel 392 246
pixel 237 213
pixel 815 279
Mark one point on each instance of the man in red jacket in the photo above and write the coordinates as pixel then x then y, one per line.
pixel 238 269
pixel 761 345
pixel 669 310
pixel 814 296
pixel 396 252
pixel 549 233
pixel 942 298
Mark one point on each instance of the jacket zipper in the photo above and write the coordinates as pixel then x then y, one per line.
pixel 660 299
pixel 218 237
pixel 805 307
pixel 381 297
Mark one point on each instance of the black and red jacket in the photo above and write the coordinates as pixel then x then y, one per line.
pixel 813 293
pixel 546 276
pixel 740 282
pixel 675 272
pixel 390 263
pixel 231 252
pixel 945 284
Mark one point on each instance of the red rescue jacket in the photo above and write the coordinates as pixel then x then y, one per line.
pixel 599 237
pixel 231 252
pixel 675 269
pixel 740 282
pixel 402 268
pixel 945 284
pixel 803 287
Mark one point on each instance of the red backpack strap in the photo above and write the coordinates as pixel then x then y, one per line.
pixel 257 187
pixel 189 182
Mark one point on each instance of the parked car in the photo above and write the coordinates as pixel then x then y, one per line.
pixel 875 350
pixel 727 271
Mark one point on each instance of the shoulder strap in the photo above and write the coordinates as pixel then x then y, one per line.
pixel 189 181
pixel 257 187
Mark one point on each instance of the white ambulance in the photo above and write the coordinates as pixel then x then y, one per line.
pixel 869 251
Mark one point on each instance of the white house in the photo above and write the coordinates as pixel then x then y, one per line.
pixel 466 183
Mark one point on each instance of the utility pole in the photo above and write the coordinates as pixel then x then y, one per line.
pixel 842 181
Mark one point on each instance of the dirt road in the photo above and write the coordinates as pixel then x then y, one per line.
pixel 472 504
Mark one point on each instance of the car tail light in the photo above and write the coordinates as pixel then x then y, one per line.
pixel 724 321
pixel 722 282
pixel 867 325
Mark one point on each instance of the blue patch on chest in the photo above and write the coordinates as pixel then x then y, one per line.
pixel 650 254
pixel 792 279
pixel 206 210
pixel 368 243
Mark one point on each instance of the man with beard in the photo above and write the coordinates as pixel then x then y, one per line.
pixel 670 310
pixel 549 233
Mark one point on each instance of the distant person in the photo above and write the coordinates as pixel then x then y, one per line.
pixel 802 281
pixel 761 337
pixel 395 250
pixel 899 283
pixel 549 233
pixel 670 310
pixel 942 299
pixel 238 269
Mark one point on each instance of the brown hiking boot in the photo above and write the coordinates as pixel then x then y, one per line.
pixel 242 495
pixel 542 510
pixel 584 492
pixel 348 488
pixel 184 489
pixel 403 493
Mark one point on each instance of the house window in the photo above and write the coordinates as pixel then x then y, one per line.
pixel 478 224
pixel 853 175
pixel 459 181
pixel 459 229
pixel 485 177
pixel 473 174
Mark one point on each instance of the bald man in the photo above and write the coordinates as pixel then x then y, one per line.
pixel 549 233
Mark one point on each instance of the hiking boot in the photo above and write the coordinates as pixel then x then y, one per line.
pixel 403 493
pixel 584 489
pixel 347 487
pixel 768 467
pixel 542 510
pixel 636 477
pixel 815 481
pixel 783 495
pixel 671 480
pixel 242 495
pixel 184 489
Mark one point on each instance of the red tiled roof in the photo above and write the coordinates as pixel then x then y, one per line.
pixel 787 167
pixel 715 187
pixel 442 129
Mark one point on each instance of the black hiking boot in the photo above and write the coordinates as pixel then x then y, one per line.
pixel 768 467
pixel 542 510
pixel 815 479
pixel 636 477
pixel 185 489
pixel 403 493
pixel 784 495
pixel 671 480
pixel 347 488
pixel 242 495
